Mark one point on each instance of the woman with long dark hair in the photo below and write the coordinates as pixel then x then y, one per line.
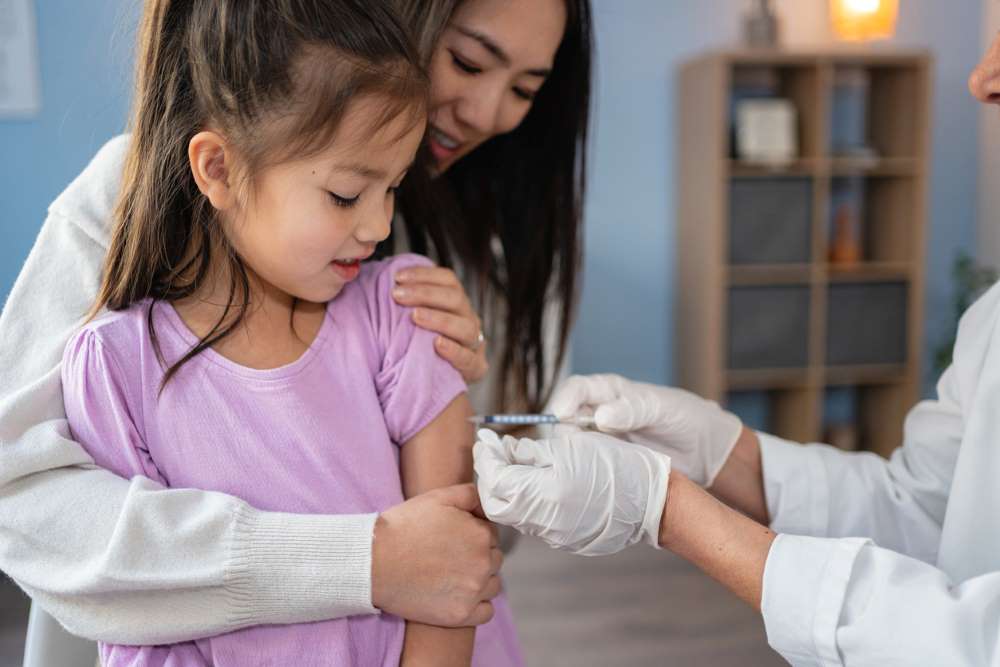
pixel 497 198
pixel 506 154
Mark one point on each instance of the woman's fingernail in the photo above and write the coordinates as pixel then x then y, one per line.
pixel 402 277
pixel 418 314
pixel 441 342
pixel 399 293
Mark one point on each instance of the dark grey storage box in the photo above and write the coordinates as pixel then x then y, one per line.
pixel 768 327
pixel 770 220
pixel 866 324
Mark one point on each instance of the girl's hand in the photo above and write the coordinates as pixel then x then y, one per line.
pixel 441 305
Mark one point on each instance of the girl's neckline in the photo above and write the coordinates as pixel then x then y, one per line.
pixel 284 372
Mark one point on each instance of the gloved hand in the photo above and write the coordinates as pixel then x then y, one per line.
pixel 586 492
pixel 696 433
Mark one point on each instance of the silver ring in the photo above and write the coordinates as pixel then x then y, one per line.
pixel 480 341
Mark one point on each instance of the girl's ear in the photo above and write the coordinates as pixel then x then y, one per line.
pixel 210 159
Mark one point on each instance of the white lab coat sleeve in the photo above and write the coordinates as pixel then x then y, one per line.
pixel 847 602
pixel 131 562
pixel 821 491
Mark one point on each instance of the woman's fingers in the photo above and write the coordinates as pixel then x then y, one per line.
pixel 471 364
pixel 464 330
pixel 434 275
pixel 448 298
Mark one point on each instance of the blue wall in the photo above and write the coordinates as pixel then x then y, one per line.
pixel 85 51
pixel 625 321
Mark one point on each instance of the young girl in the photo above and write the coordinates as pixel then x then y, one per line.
pixel 269 137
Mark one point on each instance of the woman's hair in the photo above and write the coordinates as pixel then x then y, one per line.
pixel 274 78
pixel 525 188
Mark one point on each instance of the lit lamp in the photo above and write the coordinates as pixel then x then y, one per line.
pixel 862 20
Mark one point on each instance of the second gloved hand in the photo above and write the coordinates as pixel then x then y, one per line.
pixel 696 433
pixel 585 492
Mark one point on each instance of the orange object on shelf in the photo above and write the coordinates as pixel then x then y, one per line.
pixel 862 20
pixel 845 249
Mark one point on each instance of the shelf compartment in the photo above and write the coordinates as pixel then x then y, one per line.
pixel 797 83
pixel 864 111
pixel 879 212
pixel 768 327
pixel 866 324
pixel 770 221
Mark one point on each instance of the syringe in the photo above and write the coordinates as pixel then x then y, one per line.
pixel 583 421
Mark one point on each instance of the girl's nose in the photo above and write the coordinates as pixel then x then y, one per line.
pixel 376 225
pixel 985 80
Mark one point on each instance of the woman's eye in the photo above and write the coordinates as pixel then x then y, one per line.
pixel 526 95
pixel 466 67
pixel 344 202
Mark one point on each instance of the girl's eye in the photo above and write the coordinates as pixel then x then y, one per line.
pixel 344 202
pixel 525 95
pixel 466 67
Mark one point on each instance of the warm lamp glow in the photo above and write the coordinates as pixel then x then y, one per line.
pixel 858 20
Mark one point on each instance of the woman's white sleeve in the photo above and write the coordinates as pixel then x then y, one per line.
pixel 821 491
pixel 847 602
pixel 131 562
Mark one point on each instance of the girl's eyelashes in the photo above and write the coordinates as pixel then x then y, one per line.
pixel 464 66
pixel 343 202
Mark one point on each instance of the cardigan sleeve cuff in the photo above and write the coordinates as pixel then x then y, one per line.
pixel 296 568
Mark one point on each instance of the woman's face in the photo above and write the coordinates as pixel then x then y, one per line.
pixel 487 67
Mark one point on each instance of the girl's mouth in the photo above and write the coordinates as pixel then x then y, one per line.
pixel 347 269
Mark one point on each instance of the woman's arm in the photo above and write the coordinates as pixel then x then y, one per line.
pixel 130 562
pixel 439 455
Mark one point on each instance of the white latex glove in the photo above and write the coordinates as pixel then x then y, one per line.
pixel 586 492
pixel 696 433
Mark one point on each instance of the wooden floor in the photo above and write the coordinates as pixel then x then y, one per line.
pixel 641 607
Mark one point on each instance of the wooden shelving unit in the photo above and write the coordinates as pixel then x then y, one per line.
pixel 857 326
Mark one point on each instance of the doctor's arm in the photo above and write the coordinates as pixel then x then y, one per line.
pixel 801 489
pixel 836 601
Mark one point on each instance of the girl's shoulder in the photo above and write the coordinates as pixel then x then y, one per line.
pixel 118 330
pixel 112 350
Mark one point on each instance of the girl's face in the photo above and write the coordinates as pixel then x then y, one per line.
pixel 487 67
pixel 310 223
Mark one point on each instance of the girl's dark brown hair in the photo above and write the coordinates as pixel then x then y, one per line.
pixel 274 78
pixel 525 188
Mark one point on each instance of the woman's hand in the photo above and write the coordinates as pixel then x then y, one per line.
pixel 441 305
pixel 434 562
